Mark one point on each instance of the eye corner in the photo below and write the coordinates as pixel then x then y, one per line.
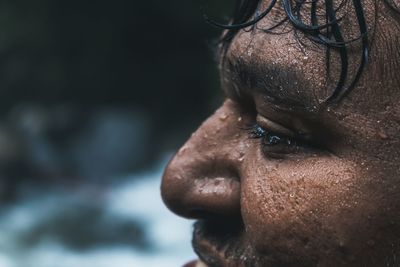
pixel 255 131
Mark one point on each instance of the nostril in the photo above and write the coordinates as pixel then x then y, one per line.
pixel 202 186
pixel 194 195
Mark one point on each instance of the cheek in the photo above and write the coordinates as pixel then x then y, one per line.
pixel 307 206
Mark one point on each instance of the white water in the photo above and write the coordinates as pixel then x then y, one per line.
pixel 168 234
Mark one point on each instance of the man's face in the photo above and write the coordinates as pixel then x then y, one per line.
pixel 278 178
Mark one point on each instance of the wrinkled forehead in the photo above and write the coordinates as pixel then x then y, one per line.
pixel 344 10
pixel 380 16
pixel 277 53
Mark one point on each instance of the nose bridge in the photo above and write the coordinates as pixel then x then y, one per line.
pixel 203 177
pixel 217 139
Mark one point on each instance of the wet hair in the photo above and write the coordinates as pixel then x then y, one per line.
pixel 247 14
pixel 394 6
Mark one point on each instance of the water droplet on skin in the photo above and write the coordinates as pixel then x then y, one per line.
pixel 182 150
pixel 178 177
pixel 200 264
pixel 291 195
pixel 239 119
pixel 223 116
pixel 382 135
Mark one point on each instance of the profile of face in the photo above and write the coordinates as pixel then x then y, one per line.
pixel 278 176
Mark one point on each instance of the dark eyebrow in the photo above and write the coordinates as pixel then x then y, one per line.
pixel 279 85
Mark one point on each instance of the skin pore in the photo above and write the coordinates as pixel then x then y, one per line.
pixel 278 177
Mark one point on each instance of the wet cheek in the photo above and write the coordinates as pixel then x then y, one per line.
pixel 290 204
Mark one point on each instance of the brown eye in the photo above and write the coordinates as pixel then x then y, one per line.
pixel 278 141
pixel 276 144
pixel 269 138
pixel 273 144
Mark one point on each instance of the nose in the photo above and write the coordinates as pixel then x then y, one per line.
pixel 203 179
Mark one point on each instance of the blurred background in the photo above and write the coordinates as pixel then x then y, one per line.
pixel 94 98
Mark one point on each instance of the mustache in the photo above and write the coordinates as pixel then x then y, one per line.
pixel 224 238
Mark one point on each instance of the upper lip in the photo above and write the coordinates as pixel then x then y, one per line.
pixel 217 243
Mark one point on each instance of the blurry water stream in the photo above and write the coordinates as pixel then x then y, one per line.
pixel 123 224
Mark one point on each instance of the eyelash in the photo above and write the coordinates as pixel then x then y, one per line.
pixel 270 138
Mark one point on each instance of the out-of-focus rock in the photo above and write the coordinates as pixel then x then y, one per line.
pixel 67 142
pixel 113 142
pixel 81 227
pixel 13 164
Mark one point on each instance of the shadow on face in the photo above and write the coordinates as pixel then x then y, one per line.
pixel 276 177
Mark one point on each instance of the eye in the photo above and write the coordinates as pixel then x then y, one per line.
pixel 269 138
pixel 276 140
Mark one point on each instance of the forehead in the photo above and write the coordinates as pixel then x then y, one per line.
pixel 299 66
pixel 344 10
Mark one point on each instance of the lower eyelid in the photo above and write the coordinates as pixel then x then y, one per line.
pixel 280 151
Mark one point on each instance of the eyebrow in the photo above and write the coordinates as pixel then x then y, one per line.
pixel 279 85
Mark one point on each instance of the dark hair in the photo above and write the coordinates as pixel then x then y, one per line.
pixel 247 14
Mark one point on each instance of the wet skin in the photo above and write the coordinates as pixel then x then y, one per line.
pixel 327 193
